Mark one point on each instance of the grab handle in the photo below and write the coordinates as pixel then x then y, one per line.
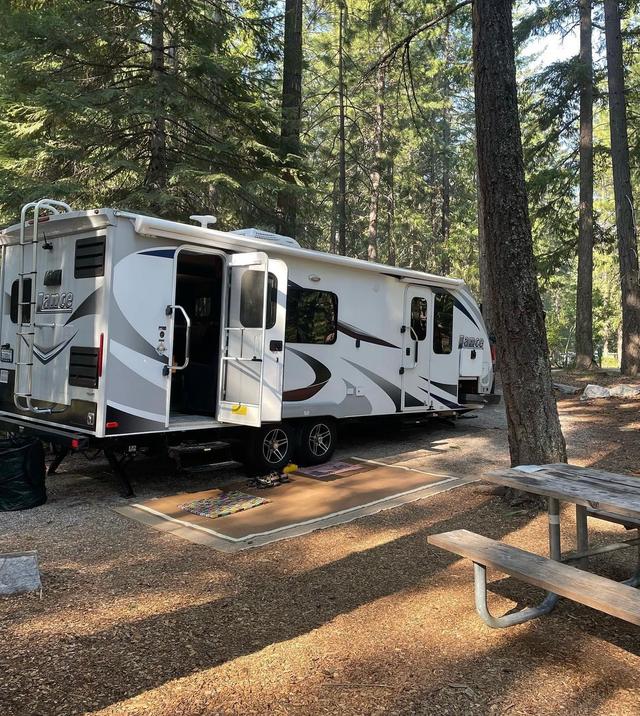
pixel 187 338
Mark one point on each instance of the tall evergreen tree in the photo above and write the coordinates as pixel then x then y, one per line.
pixel 534 430
pixel 291 114
pixel 625 227
pixel 584 295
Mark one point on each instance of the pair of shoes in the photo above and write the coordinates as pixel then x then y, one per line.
pixel 270 480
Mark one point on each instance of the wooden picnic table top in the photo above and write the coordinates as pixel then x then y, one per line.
pixel 597 489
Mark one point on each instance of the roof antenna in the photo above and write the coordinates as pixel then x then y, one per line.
pixel 46 245
pixel 204 220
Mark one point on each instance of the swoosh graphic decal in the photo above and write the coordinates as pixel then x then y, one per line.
pixel 321 378
pixel 46 355
pixel 88 307
pixel 444 387
pixel 393 391
pixel 356 333
pixel 444 401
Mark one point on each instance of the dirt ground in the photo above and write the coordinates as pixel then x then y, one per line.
pixel 364 618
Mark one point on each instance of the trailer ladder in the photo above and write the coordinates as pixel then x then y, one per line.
pixel 25 335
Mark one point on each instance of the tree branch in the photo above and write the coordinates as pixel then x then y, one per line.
pixel 390 54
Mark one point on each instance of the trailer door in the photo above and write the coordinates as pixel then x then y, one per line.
pixel 273 370
pixel 418 313
pixel 243 340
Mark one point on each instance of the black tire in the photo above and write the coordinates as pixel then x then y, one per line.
pixel 270 448
pixel 317 441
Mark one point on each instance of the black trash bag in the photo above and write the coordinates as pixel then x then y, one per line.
pixel 22 474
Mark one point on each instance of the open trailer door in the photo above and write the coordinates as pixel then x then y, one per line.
pixel 243 340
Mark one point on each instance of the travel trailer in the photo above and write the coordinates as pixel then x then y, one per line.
pixel 121 330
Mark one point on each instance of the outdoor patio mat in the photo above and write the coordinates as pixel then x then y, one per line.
pixel 300 506
pixel 226 503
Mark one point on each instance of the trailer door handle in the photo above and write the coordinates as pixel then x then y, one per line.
pixel 187 337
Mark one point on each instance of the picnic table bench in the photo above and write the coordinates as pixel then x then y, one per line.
pixel 595 493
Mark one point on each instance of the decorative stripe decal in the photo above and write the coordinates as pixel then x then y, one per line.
pixel 88 307
pixel 356 333
pixel 321 378
pixel 46 355
pixel 164 253
pixel 464 310
pixel 444 401
pixel 445 387
pixel 393 391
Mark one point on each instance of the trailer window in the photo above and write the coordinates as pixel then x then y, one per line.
pixel 419 307
pixel 251 299
pixel 443 323
pixel 312 316
pixel 26 296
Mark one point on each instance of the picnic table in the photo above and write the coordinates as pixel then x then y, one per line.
pixel 595 493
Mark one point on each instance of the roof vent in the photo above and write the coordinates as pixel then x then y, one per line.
pixel 268 236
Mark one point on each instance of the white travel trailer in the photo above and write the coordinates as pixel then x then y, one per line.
pixel 119 330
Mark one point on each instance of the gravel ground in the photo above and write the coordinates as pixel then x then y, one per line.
pixel 364 618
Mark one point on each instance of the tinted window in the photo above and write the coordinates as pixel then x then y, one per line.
pixel 312 316
pixel 251 292
pixel 251 299
pixel 443 323
pixel 418 318
pixel 272 300
pixel 26 296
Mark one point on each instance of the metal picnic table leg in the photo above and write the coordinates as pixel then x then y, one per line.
pixel 524 615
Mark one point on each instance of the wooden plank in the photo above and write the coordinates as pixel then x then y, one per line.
pixel 597 495
pixel 618 600
pixel 632 481
pixel 627 522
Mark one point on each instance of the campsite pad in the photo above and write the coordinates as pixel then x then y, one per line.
pixel 300 506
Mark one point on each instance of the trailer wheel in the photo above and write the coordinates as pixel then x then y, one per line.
pixel 270 448
pixel 317 441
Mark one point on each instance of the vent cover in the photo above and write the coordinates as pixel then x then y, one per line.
pixel 83 367
pixel 89 258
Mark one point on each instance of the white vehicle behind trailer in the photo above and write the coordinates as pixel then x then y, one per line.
pixel 119 330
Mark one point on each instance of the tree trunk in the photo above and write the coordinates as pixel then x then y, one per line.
pixel 445 216
pixel 584 294
pixel 627 243
pixel 157 172
pixel 342 163
pixel 485 296
pixel 291 113
pixel 534 430
pixel 391 215
pixel 376 171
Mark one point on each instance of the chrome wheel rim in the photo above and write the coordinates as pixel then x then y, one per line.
pixel 275 446
pixel 320 439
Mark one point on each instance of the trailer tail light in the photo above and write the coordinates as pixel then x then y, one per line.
pixel 493 352
pixel 112 425
pixel 75 444
pixel 100 354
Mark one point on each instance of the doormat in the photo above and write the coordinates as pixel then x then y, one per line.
pixel 224 504
pixel 331 470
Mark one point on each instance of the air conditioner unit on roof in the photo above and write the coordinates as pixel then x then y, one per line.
pixel 268 236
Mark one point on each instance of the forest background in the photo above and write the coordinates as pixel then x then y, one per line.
pixel 177 107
